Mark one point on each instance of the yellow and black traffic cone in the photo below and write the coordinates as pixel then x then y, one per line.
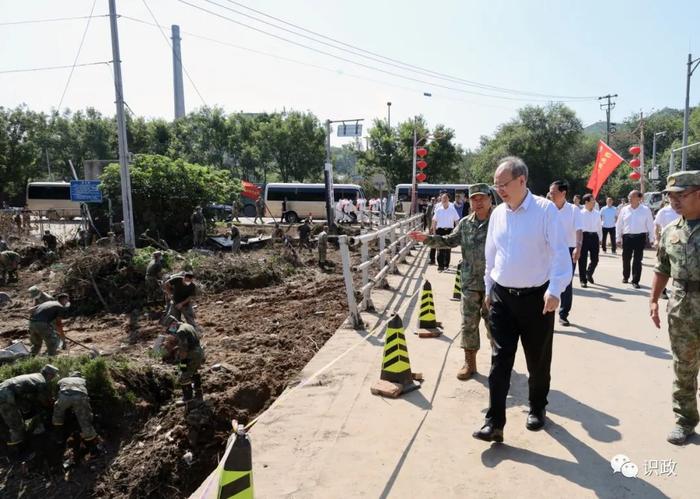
pixel 457 291
pixel 236 479
pixel 396 377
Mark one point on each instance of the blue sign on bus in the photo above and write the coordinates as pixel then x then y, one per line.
pixel 85 191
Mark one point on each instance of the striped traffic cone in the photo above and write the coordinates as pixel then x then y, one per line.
pixel 396 376
pixel 236 479
pixel 457 290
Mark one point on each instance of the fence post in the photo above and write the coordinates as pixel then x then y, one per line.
pixel 349 289
pixel 394 250
pixel 382 259
pixel 366 299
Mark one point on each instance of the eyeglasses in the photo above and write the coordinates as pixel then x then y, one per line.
pixel 500 187
pixel 682 194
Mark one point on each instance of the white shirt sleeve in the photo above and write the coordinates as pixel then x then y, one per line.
pixel 599 227
pixel 560 261
pixel 650 225
pixel 618 224
pixel 490 254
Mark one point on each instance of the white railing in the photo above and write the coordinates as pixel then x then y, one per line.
pixel 387 258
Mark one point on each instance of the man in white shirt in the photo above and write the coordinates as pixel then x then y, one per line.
pixel 609 216
pixel 664 216
pixel 527 268
pixel 569 216
pixel 634 224
pixel 445 218
pixel 592 230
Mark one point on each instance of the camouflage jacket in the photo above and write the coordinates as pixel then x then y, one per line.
pixel 470 233
pixel 678 255
pixel 25 389
pixel 72 384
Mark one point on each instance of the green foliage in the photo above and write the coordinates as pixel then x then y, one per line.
pixel 165 192
pixel 391 152
pixel 142 257
pixel 95 371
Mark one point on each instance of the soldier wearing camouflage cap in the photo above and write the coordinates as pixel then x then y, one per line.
pixel 38 296
pixel 678 257
pixel 73 396
pixel 470 234
pixel 20 394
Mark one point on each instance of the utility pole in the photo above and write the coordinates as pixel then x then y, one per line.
pixel 641 153
pixel 607 106
pixel 328 181
pixel 654 171
pixel 127 207
pixel 692 66
pixel 388 114
pixel 177 73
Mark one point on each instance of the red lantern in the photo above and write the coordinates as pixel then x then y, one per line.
pixel 421 177
pixel 422 152
pixel 635 163
pixel 635 175
pixel 422 164
pixel 634 150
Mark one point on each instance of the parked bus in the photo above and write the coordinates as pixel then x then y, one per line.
pixel 305 199
pixel 52 199
pixel 427 191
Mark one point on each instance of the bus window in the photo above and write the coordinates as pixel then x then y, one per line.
pixel 310 194
pixel 48 191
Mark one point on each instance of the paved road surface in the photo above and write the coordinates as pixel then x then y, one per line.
pixel 611 391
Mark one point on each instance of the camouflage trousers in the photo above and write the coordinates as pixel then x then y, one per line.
pixel 683 317
pixel 40 332
pixel 187 311
pixel 198 234
pixel 472 311
pixel 79 403
pixel 189 367
pixel 12 417
pixel 154 294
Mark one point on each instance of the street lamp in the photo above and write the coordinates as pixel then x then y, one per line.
pixel 673 151
pixel 654 171
pixel 692 66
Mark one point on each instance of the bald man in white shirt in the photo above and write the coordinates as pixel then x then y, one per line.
pixel 527 268
pixel 635 224
pixel 592 229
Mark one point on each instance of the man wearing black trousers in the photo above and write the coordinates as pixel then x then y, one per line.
pixel 444 220
pixel 634 224
pixel 527 268
pixel 609 217
pixel 592 230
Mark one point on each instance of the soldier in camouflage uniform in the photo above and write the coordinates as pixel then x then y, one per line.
pixel 20 394
pixel 73 396
pixel 678 256
pixel 154 274
pixel 190 356
pixel 470 233
pixel 9 261
pixel 43 324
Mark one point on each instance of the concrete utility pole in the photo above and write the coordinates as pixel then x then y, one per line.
pixel 328 181
pixel 608 106
pixel 177 73
pixel 692 66
pixel 654 170
pixel 641 153
pixel 127 207
pixel 388 114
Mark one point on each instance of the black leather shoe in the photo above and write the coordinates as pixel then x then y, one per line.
pixel 625 281
pixel 564 322
pixel 636 285
pixel 584 285
pixel 590 279
pixel 488 433
pixel 535 420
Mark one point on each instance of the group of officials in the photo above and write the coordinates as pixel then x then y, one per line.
pixel 518 261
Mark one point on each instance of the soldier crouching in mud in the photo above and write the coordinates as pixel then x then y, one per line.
pixel 183 348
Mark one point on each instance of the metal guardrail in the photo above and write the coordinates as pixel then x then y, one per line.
pixel 387 259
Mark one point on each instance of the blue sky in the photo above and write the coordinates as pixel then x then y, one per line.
pixel 636 49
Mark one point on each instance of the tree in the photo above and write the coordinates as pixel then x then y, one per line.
pixel 165 192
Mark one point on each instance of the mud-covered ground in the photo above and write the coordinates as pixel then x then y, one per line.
pixel 256 341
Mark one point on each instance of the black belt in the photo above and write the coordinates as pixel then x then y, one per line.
pixel 592 233
pixel 524 291
pixel 639 234
pixel 688 286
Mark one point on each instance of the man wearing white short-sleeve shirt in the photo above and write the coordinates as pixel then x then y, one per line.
pixel 445 218
pixel 527 268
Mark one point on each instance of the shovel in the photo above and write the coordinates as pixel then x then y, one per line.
pixel 95 352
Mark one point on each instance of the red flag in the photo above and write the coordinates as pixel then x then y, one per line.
pixel 605 163
pixel 250 191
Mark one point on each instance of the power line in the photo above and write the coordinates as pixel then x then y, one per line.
pixel 51 68
pixel 366 66
pixel 50 20
pixel 310 65
pixel 77 55
pixel 167 41
pixel 378 57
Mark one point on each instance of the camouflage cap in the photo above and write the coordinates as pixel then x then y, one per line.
pixel 49 370
pixel 681 181
pixel 34 291
pixel 479 189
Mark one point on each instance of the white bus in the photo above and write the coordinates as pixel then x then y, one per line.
pixel 427 191
pixel 52 199
pixel 305 199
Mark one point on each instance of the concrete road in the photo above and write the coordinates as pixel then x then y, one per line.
pixel 610 395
